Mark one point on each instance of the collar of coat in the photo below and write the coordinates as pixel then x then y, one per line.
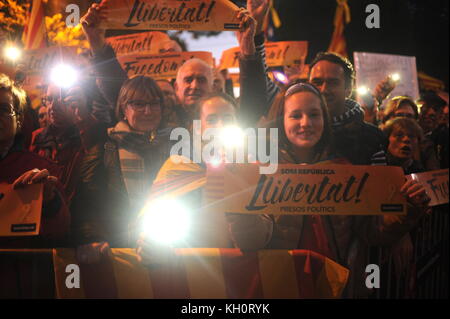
pixel 353 113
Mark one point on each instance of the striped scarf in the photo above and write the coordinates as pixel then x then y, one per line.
pixel 140 158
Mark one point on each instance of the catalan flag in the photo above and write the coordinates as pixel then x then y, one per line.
pixel 342 17
pixel 204 273
pixel 35 34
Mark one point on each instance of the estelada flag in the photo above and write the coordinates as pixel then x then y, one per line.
pixel 35 34
pixel 342 17
pixel 204 273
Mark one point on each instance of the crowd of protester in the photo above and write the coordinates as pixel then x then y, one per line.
pixel 100 146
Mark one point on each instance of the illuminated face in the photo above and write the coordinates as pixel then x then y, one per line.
pixel 42 115
pixel 169 93
pixel 76 101
pixel 59 114
pixel 405 110
pixel 217 113
pixel 8 118
pixel 329 78
pixel 219 82
pixel 143 112
pixel 303 120
pixel 194 81
pixel 402 143
pixel 429 119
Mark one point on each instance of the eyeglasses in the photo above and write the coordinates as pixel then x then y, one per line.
pixel 42 115
pixel 139 106
pixel 7 110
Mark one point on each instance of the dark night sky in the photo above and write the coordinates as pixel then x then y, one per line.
pixel 408 27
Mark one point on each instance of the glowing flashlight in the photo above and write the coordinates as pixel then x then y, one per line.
pixel 281 77
pixel 395 77
pixel 232 137
pixel 63 76
pixel 12 53
pixel 165 221
pixel 362 90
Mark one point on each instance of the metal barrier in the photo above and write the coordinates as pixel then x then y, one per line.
pixel 426 277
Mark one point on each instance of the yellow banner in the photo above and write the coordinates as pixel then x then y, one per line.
pixel 163 66
pixel 277 54
pixel 145 42
pixel 20 210
pixel 197 15
pixel 436 185
pixel 306 190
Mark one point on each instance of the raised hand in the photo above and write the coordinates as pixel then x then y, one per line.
pixel 247 32
pixel 90 23
pixel 259 10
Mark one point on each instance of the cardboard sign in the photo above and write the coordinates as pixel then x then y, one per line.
pixel 306 190
pixel 277 54
pixel 436 185
pixel 163 66
pixel 38 63
pixel 371 68
pixel 197 15
pixel 20 210
pixel 145 42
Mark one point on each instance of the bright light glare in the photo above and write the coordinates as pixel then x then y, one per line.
pixel 166 221
pixel 12 53
pixel 232 137
pixel 362 90
pixel 281 77
pixel 395 77
pixel 64 76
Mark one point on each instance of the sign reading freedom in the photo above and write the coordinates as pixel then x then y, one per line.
pixel 277 54
pixel 163 66
pixel 306 190
pixel 20 210
pixel 145 42
pixel 198 15
pixel 436 185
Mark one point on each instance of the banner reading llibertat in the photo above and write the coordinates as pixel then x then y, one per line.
pixel 161 66
pixel 196 15
pixel 277 54
pixel 38 63
pixel 144 42
pixel 306 190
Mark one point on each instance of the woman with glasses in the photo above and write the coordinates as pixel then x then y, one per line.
pixel 136 148
pixel 20 168
pixel 301 116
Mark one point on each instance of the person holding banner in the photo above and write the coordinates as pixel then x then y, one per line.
pixel 301 114
pixel 135 149
pixel 334 76
pixel 405 107
pixel 109 73
pixel 21 168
